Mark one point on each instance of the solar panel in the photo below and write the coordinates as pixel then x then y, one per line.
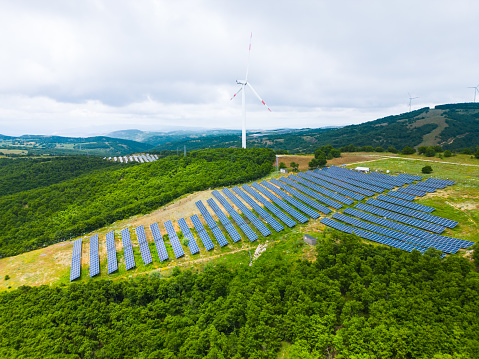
pixel 127 249
pixel 175 242
pixel 404 203
pixel 205 238
pixel 405 196
pixel 94 256
pixel 342 178
pixel 255 220
pixel 438 183
pixel 326 188
pixel 235 236
pixel 252 236
pixel 159 244
pixel 338 183
pixel 111 252
pixel 265 215
pixel 360 177
pixel 192 245
pixel 413 213
pixel 275 210
pixel 307 187
pixel 212 224
pixel 76 260
pixel 396 182
pixel 411 191
pixel 144 248
pixel 279 202
pixel 302 207
pixel 293 187
pixel 410 178
pixel 401 218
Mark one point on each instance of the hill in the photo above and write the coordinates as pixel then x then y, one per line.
pixel 58 145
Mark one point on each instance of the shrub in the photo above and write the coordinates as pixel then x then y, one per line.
pixel 379 149
pixel 447 153
pixel 430 152
pixel 408 151
pixel 392 149
pixel 426 169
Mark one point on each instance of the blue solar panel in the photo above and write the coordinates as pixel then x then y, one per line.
pixel 205 238
pixel 160 245
pixel 144 248
pixel 236 217
pixel 291 187
pixel 342 178
pixel 307 187
pixel 192 245
pixel 111 252
pixel 255 220
pixel 265 215
pixel 76 260
pixel 302 207
pixel 405 196
pixel 279 202
pixel 360 177
pixel 413 213
pixel 212 224
pixel 410 178
pixel 401 218
pixel 327 188
pixel 275 210
pixel 387 178
pixel 404 203
pixel 127 249
pixel 94 256
pixel 411 191
pixel 437 183
pixel 175 242
pixel 235 236
pixel 338 183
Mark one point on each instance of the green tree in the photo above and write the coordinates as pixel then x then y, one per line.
pixel 408 151
pixel 392 149
pixel 282 165
pixel 422 150
pixel 447 153
pixel 426 169
pixel 294 166
pixel 476 154
pixel 7 277
pixel 430 152
pixel 317 162
pixel 379 149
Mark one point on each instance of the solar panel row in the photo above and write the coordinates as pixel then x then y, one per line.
pixel 411 191
pixel 279 202
pixel 275 210
pixel 76 260
pixel 419 187
pixel 293 187
pixel 159 244
pixel 302 207
pixel 438 182
pixel 127 249
pixel 265 231
pixel 360 177
pixel 387 178
pixel 175 242
pixel 336 182
pixel 144 248
pixel 342 178
pixel 235 236
pixel 192 245
pixel 212 224
pixel 258 209
pixel 205 238
pixel 111 252
pixel 401 195
pixel 409 178
pixel 453 242
pixel 445 222
pixel 94 256
pixel 312 183
pixel 404 203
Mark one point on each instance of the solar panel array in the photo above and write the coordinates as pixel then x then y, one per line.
pixel 127 249
pixel 144 248
pixel 396 182
pixel 76 260
pixel 338 183
pixel 175 242
pixel 326 188
pixel 159 244
pixel 351 181
pixel 405 196
pixel 111 252
pixel 192 245
pixel 205 238
pixel 413 213
pixel 252 236
pixel 411 191
pixel 409 178
pixel 94 256
pixel 235 236
pixel 271 207
pixel 293 191
pixel 265 231
pixel 438 183
pixel 360 177
pixel 302 207
pixel 404 203
pixel 220 237
pixel 258 209
pixel 279 202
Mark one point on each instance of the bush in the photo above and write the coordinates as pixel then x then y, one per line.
pixel 422 150
pixel 476 154
pixel 408 151
pixel 7 277
pixel 447 153
pixel 282 165
pixel 426 169
pixel 317 162
pixel 430 152
pixel 379 149
pixel 392 149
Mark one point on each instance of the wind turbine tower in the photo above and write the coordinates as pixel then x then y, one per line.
pixel 410 100
pixel 242 89
pixel 476 89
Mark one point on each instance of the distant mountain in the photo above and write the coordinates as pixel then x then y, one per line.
pixel 58 145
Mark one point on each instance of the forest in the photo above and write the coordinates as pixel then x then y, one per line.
pixel 43 215
pixel 355 300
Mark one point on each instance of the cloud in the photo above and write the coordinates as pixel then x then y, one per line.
pixel 71 67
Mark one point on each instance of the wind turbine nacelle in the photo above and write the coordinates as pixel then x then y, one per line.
pixel 241 82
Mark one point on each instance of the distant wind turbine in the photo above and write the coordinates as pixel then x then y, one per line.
pixel 410 100
pixel 476 89
pixel 242 89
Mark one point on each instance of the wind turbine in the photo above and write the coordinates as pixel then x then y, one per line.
pixel 242 89
pixel 410 100
pixel 476 89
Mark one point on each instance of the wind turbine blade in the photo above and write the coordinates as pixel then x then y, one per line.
pixel 249 53
pixel 259 98
pixel 236 93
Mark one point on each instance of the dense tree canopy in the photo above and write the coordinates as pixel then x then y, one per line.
pixel 355 301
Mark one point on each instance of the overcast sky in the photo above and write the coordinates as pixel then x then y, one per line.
pixel 93 66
